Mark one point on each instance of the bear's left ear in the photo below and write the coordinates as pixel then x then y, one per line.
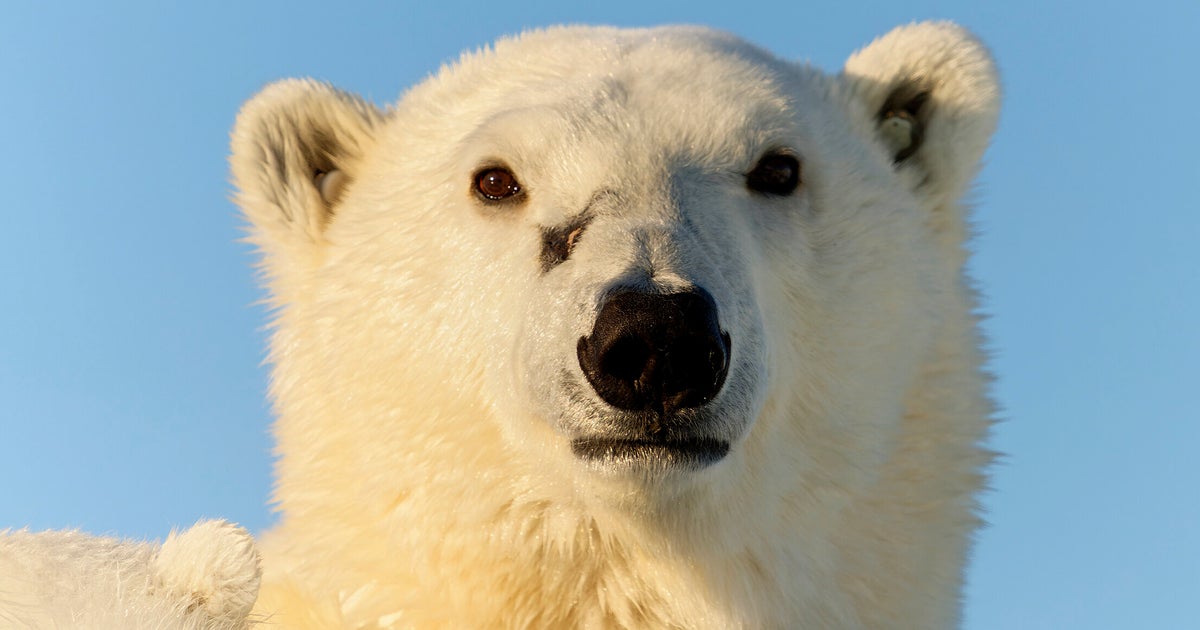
pixel 933 96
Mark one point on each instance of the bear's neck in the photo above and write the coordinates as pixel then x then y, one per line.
pixel 472 562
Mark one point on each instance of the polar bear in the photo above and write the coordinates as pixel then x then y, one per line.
pixel 608 328
pixel 204 578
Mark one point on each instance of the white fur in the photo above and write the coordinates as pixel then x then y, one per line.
pixel 205 578
pixel 425 373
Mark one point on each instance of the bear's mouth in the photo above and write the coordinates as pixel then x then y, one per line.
pixel 694 453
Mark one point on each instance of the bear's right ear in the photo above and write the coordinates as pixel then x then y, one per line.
pixel 296 148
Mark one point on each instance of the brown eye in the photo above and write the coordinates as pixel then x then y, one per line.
pixel 775 174
pixel 496 184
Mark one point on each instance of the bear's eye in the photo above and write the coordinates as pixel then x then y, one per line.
pixel 496 184
pixel 775 174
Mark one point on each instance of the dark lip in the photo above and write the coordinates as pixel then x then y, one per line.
pixel 692 453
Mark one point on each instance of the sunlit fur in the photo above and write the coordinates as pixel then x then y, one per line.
pixel 425 375
pixel 205 578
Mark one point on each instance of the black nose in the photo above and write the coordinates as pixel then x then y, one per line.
pixel 656 352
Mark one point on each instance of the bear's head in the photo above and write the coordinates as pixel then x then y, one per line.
pixel 621 268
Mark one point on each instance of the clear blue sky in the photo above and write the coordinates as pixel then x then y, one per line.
pixel 131 385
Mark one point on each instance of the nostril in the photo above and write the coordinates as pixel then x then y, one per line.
pixel 718 356
pixel 695 368
pixel 626 359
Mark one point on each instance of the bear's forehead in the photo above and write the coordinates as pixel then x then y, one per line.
pixel 692 54
pixel 674 86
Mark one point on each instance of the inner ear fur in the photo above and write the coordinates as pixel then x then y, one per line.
pixel 902 119
pixel 296 148
pixel 932 94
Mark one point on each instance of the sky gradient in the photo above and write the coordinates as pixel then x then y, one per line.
pixel 131 338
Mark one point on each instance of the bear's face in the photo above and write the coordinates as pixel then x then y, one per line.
pixel 651 254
